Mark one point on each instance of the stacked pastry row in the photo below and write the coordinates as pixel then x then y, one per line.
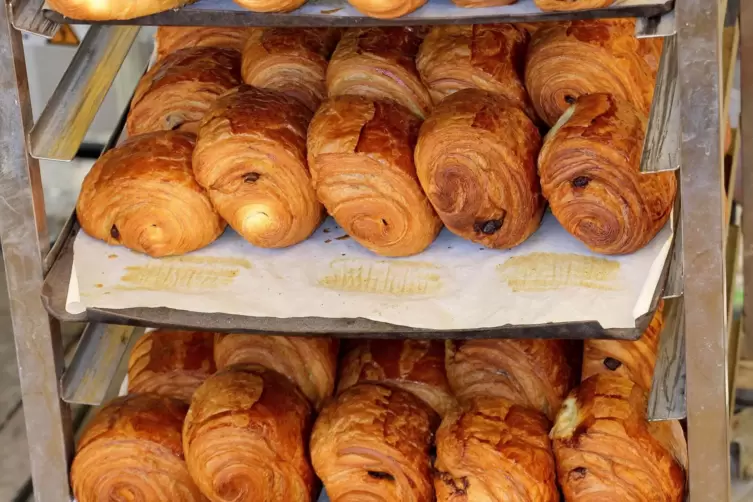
pixel 98 10
pixel 270 157
pixel 411 421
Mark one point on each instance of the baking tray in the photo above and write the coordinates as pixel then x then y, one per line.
pixel 340 13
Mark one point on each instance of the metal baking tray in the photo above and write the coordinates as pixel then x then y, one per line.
pixel 340 13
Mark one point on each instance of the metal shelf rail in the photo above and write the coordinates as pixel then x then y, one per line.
pixel 690 135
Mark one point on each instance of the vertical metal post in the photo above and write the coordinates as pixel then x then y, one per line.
pixel 23 235
pixel 702 184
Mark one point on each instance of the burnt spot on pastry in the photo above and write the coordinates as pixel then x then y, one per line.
pixel 114 232
pixel 581 181
pixel 381 475
pixel 251 177
pixel 570 100
pixel 489 227
pixel 611 363
pixel 578 473
pixel 384 222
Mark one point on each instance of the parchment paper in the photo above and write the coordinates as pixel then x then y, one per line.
pixel 455 284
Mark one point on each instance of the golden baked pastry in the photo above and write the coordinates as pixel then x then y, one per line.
pixel 290 60
pixel 142 194
pixel 386 9
pixel 360 154
pixel 372 443
pixel 245 437
pixel 251 158
pixel 476 159
pixel 605 449
pixel 179 89
pixel 270 5
pixel 534 373
pixel 416 366
pixel 493 450
pixel 131 450
pixel 590 174
pixel 568 60
pixel 109 10
pixel 170 39
pixel 171 363
pixel 310 363
pixel 634 360
pixel 379 63
pixel 570 5
pixel 489 57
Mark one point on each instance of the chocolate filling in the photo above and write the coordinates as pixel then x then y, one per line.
pixel 612 363
pixel 251 177
pixel 381 475
pixel 114 233
pixel 581 181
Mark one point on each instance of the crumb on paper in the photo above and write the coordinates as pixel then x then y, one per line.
pixel 331 11
pixel 552 271
pixel 342 237
pixel 99 285
pixel 112 256
pixel 328 241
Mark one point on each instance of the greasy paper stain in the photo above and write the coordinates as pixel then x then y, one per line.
pixel 404 278
pixel 552 271
pixel 171 275
pixel 209 260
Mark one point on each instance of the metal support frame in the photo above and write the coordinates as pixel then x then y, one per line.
pixel 23 234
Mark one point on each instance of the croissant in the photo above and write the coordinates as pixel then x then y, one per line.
pixel 568 60
pixel 179 89
pixel 379 63
pixel 310 363
pixel 142 195
pixel 270 5
pixel 493 450
pixel 251 157
pixel 360 154
pixel 372 444
pixel 476 160
pixel 170 39
pixel 590 174
pixel 245 437
pixel 605 450
pixel 416 366
pixel 290 60
pixel 386 9
pixel 131 450
pixel 110 10
pixel 171 363
pixel 489 57
pixel 568 5
pixel 533 373
pixel 633 360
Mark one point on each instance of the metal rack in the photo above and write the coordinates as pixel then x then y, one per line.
pixel 693 379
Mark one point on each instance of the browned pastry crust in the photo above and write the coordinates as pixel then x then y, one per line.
pixel 310 363
pixel 251 157
pixel 171 363
pixel 489 57
pixel 476 159
pixel 290 60
pixel 568 60
pixel 143 195
pixel 372 444
pixel 179 89
pixel 634 360
pixel 569 5
pixel 131 450
pixel 270 5
pixel 109 10
pixel 416 366
pixel 605 450
pixel 361 159
pixel 493 450
pixel 379 63
pixel 590 174
pixel 534 373
pixel 483 3
pixel 245 437
pixel 386 9
pixel 170 39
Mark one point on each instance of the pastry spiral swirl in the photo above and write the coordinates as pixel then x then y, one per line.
pixel 245 437
pixel 569 5
pixel 605 448
pixel 290 60
pixel 131 450
pixel 142 194
pixel 179 89
pixel 171 39
pixel 310 363
pixel 386 9
pixel 590 174
pixel 251 158
pixel 372 443
pixel 533 373
pixel 416 366
pixel 171 363
pixel 109 10
pixel 488 57
pixel 361 159
pixel 379 63
pixel 569 60
pixel 476 159
pixel 493 450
